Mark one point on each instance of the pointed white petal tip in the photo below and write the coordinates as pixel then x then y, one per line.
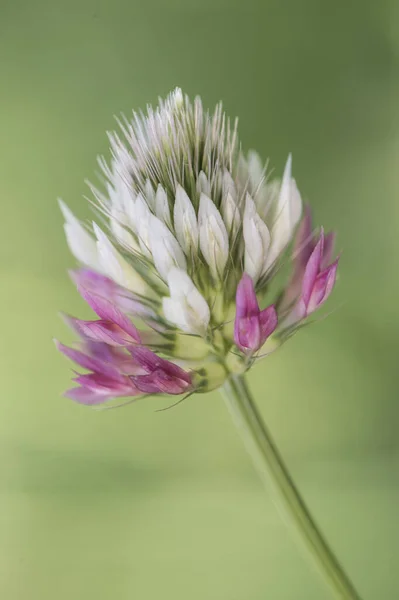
pixel 288 168
pixel 66 212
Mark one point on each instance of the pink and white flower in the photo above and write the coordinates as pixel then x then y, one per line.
pixel 194 236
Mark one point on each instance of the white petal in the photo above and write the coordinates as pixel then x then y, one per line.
pixel 115 266
pixel 162 209
pixel 80 242
pixel 203 185
pixel 120 229
pixel 287 214
pixel 228 185
pixel 266 200
pixel 186 308
pixel 231 214
pixel 149 194
pixel 185 221
pixel 130 210
pixel 177 98
pixel 256 169
pixel 122 199
pixel 174 313
pixel 242 174
pixel 142 216
pixel 289 203
pixel 166 251
pixel 256 238
pixel 214 240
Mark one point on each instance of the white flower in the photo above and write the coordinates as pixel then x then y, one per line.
pixel 162 209
pixel 149 194
pixel 166 251
pixel 257 240
pixel 185 221
pixel 231 215
pixel 228 185
pixel 288 211
pixel 203 185
pixel 214 240
pixel 256 170
pixel 186 308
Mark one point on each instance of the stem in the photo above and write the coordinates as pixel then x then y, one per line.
pixel 284 494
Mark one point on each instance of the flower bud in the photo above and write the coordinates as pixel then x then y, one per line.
pixel 162 209
pixel 287 214
pixel 185 222
pixel 252 326
pixel 317 282
pixel 231 215
pixel 214 241
pixel 256 238
pixel 166 251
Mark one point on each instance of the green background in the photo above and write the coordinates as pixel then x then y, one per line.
pixel 137 504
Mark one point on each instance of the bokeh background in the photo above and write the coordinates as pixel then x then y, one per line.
pixel 137 504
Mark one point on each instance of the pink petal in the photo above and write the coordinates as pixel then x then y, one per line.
pixel 151 362
pixel 104 352
pixel 247 334
pixel 329 242
pixel 246 301
pixel 101 331
pixel 86 396
pixel 323 287
pixel 107 311
pixel 97 382
pixel 160 382
pixel 117 356
pixel 90 281
pixel 304 243
pixel 88 362
pixel 312 269
pixel 251 326
pixel 268 322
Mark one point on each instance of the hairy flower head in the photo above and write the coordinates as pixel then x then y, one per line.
pixel 194 240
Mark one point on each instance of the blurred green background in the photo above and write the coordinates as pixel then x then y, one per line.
pixel 136 504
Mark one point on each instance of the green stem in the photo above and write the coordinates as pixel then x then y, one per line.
pixel 278 481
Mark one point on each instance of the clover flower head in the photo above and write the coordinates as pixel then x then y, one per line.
pixel 195 235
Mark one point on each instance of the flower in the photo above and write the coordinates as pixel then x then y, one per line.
pixel 313 277
pixel 252 326
pixel 194 236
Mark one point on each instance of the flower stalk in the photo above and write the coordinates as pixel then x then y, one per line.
pixel 281 487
